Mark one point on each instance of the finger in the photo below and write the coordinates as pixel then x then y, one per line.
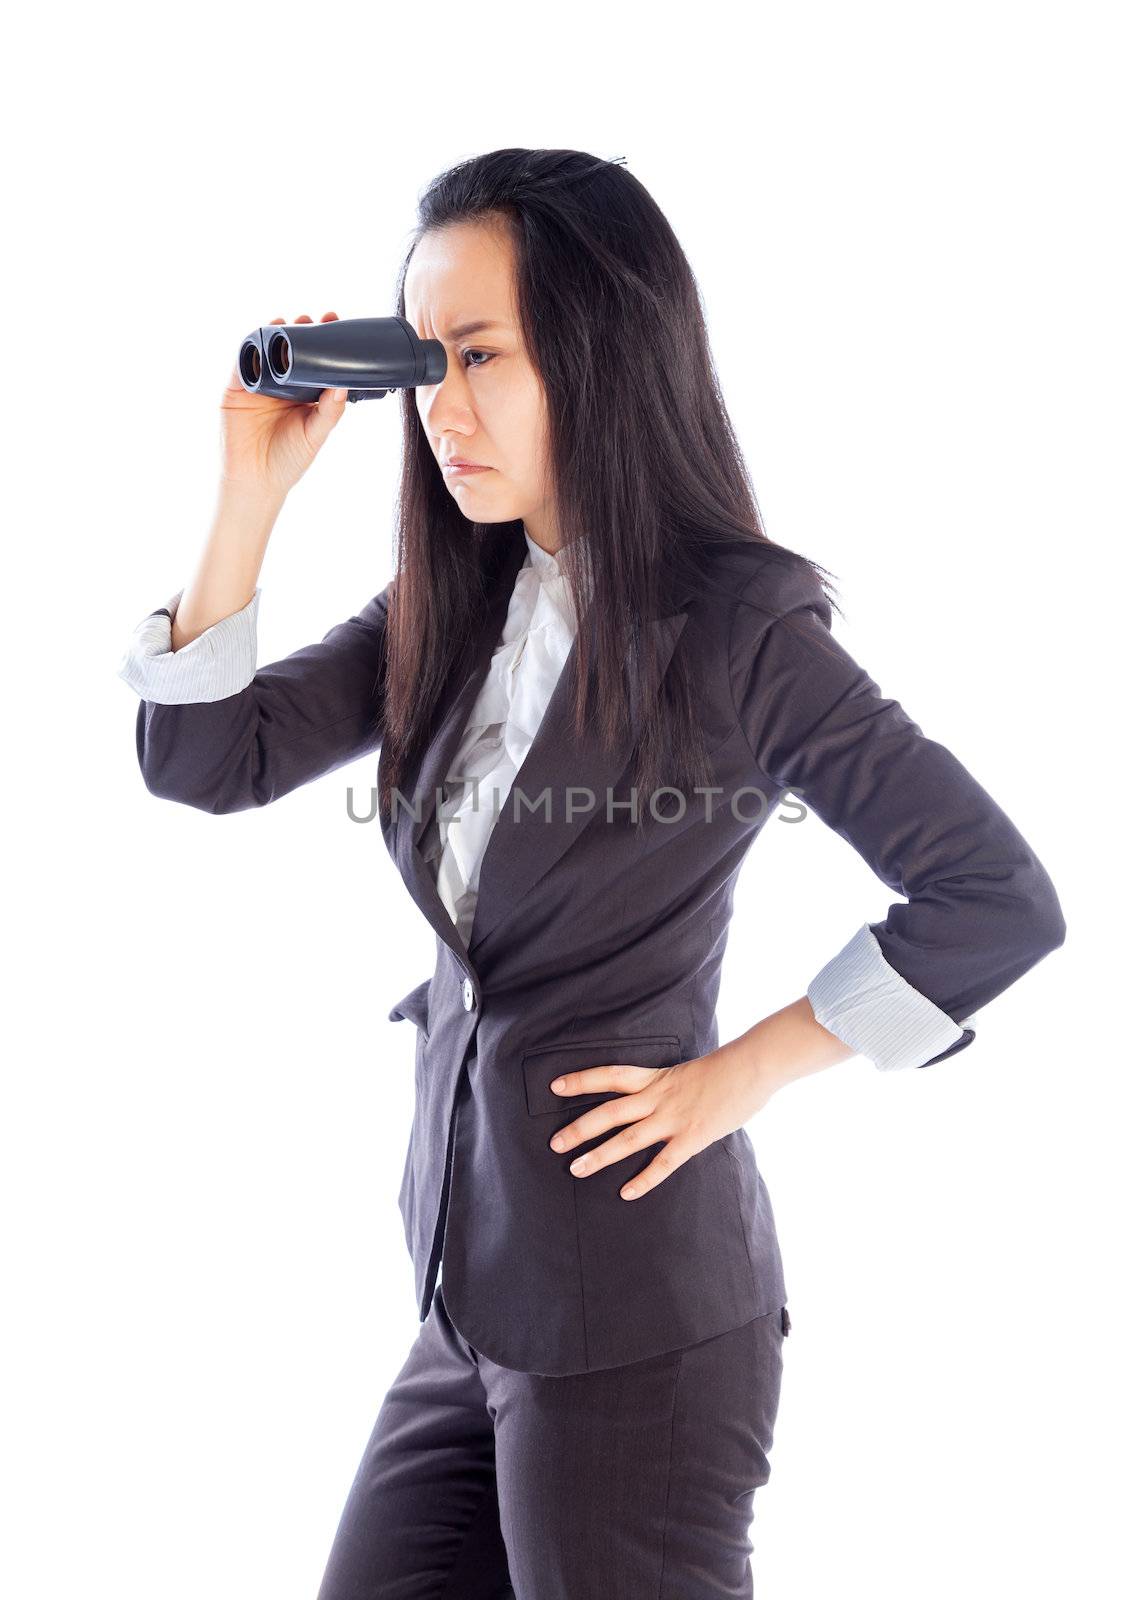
pixel 601 1119
pixel 329 316
pixel 637 1136
pixel 322 416
pixel 595 1080
pixel 660 1167
pixel 304 319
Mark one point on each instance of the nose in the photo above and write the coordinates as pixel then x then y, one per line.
pixel 448 405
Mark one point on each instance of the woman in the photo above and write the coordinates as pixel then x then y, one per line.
pixel 592 642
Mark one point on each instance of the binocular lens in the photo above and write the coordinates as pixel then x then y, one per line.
pixel 250 363
pixel 278 354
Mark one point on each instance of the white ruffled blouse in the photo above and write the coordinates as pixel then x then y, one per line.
pixel 539 630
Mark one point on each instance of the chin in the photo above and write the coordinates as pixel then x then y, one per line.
pixel 487 508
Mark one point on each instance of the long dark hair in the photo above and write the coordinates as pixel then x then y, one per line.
pixel 643 459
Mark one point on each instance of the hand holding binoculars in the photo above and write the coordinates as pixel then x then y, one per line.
pixel 367 356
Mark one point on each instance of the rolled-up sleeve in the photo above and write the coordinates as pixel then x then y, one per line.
pixel 859 997
pixel 980 907
pixel 220 662
pixel 216 733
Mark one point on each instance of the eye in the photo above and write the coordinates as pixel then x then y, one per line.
pixel 485 353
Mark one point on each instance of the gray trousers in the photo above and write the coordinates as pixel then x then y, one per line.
pixel 627 1483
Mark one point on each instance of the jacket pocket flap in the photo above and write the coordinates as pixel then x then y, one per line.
pixel 542 1065
pixel 414 1006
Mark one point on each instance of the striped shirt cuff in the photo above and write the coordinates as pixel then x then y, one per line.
pixel 860 998
pixel 219 663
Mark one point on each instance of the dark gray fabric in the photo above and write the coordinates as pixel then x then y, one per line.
pixel 630 1483
pixel 595 941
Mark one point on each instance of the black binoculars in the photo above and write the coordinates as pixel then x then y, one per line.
pixel 367 356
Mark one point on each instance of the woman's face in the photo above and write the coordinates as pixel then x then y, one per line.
pixel 490 406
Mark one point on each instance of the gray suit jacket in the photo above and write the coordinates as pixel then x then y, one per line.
pixel 597 940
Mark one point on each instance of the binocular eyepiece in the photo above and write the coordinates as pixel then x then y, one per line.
pixel 367 356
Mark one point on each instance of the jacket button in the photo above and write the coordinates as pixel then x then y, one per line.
pixel 467 993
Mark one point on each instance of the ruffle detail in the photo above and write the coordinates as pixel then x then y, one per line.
pixel 539 630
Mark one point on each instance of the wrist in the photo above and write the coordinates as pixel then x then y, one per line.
pixel 760 1067
pixel 250 496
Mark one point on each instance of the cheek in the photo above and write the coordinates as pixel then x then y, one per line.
pixel 507 416
pixel 523 430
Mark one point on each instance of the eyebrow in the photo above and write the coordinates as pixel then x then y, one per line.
pixel 464 329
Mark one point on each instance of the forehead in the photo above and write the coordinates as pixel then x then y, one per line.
pixel 458 276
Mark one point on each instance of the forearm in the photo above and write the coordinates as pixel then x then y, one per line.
pixel 227 573
pixel 788 1044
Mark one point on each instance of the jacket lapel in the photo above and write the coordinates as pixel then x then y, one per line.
pixel 525 843
pixel 522 846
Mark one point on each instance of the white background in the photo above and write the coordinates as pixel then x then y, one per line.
pixel 916 233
